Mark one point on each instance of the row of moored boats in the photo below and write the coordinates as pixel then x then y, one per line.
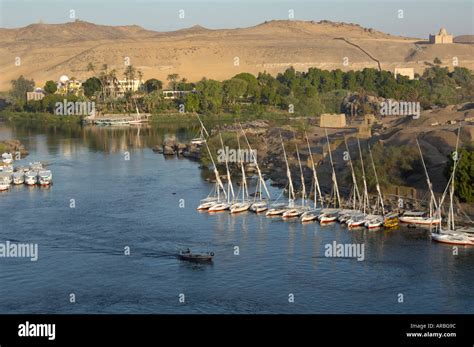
pixel 358 212
pixel 31 175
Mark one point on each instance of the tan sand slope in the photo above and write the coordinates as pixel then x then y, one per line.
pixel 48 51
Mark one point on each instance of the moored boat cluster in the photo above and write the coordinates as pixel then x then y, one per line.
pixel 31 175
pixel 357 213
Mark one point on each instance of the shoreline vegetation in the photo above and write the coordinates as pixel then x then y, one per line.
pixel 245 96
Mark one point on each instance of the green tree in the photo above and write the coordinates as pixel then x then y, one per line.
pixel 252 83
pixel 210 95
pixel 20 87
pixel 91 86
pixel 233 90
pixel 153 85
pixel 50 87
pixel 192 102
pixel 464 176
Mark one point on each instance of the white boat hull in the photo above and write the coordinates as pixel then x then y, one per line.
pixel 419 221
pixel 453 239
pixel 239 207
pixel 219 207
pixel 275 212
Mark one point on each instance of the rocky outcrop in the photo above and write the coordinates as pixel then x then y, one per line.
pixel 13 147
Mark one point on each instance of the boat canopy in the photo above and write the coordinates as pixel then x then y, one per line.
pixel 414 213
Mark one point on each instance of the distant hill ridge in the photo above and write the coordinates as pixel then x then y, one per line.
pixel 48 51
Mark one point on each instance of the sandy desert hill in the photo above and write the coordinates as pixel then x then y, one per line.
pixel 48 51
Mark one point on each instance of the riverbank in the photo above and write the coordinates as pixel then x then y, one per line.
pixel 38 117
pixel 14 147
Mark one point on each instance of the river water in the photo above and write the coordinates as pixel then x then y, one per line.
pixel 137 204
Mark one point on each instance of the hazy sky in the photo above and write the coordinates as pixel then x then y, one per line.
pixel 421 17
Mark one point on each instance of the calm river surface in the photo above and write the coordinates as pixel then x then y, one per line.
pixel 136 203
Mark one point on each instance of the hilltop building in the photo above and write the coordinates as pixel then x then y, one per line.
pixel 441 38
pixel 329 120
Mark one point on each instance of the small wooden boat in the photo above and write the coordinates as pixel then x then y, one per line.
pixel 240 207
pixel 374 222
pixel 419 217
pixel 196 257
pixel 7 158
pixel 310 216
pixel 4 184
pixel 31 178
pixel 18 178
pixel 276 210
pixel 292 213
pixel 45 178
pixel 356 221
pixel 258 207
pixel 390 220
pixel 207 203
pixel 328 217
pixel 453 238
pixel 219 207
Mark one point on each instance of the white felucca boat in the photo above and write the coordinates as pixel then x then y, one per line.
pixel 313 214
pixel 359 220
pixel 245 204
pixel 280 209
pixel 210 201
pixel 224 205
pixel 298 211
pixel 259 204
pixel 420 217
pixel 330 215
pixel 463 236
pixel 346 214
pixel 376 221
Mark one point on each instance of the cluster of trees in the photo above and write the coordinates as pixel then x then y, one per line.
pixel 303 93
pixel 393 165
pixel 317 91
pixel 464 176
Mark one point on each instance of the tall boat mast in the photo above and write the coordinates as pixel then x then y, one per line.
pixel 315 176
pixel 291 191
pixel 356 197
pixel 260 176
pixel 377 185
pixel 365 203
pixel 428 181
pixel 230 188
pixel 216 173
pixel 334 179
pixel 245 192
pixel 303 198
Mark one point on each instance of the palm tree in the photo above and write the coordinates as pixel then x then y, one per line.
pixel 172 78
pixel 140 77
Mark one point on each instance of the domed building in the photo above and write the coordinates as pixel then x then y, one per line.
pixel 442 37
